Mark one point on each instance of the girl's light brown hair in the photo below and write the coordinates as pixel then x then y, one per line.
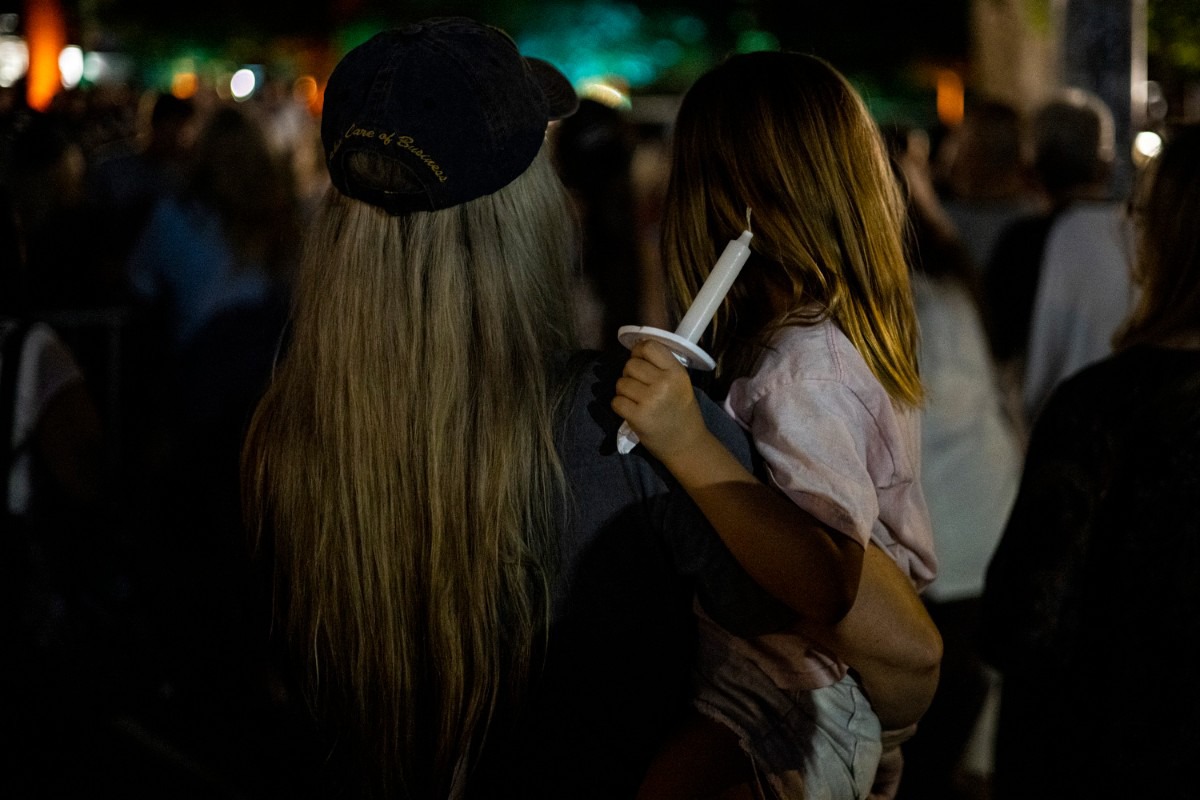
pixel 402 469
pixel 786 135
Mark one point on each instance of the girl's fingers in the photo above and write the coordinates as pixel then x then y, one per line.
pixel 639 369
pixel 632 389
pixel 656 353
pixel 623 407
pixel 653 389
pixel 652 363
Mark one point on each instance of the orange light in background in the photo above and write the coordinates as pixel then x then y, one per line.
pixel 46 35
pixel 950 97
pixel 184 85
pixel 307 93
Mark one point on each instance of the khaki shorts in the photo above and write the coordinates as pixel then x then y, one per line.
pixel 819 744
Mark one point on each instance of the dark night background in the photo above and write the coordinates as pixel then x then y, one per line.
pixel 859 35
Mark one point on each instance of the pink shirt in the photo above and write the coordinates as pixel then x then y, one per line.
pixel 835 443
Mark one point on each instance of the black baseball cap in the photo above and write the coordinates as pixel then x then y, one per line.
pixel 449 100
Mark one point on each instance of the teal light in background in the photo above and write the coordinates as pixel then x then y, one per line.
pixel 618 40
pixel 897 99
pixel 689 29
pixel 752 41
pixel 351 35
pixel 667 52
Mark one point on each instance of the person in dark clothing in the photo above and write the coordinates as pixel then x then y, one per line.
pixel 123 187
pixel 1091 597
pixel 981 173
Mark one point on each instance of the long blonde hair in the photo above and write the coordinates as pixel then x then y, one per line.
pixel 786 135
pixel 402 467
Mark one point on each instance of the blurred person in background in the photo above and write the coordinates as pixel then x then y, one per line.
pixel 593 150
pixel 1057 285
pixel 45 173
pixel 1091 598
pixel 970 463
pixel 127 180
pixel 210 279
pixel 224 239
pixel 981 172
pixel 65 664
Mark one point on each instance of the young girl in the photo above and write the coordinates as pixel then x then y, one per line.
pixel 815 350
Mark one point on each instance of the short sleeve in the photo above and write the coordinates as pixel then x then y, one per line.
pixel 812 436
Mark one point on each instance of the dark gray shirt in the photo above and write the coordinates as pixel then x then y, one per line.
pixel 635 554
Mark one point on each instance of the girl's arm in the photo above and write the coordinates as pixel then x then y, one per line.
pixel 887 637
pixel 793 556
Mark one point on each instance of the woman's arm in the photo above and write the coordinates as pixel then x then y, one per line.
pixel 812 569
pixel 889 640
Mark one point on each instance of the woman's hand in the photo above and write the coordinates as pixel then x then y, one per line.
pixel 655 396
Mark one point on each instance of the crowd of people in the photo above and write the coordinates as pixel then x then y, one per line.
pixel 149 244
pixel 311 476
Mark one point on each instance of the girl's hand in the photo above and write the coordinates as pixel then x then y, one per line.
pixel 770 536
pixel 655 396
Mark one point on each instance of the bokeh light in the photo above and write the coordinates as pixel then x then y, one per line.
pixel 1146 145
pixel 616 39
pixel 243 83
pixel 951 97
pixel 184 84
pixel 14 60
pixel 307 93
pixel 612 93
pixel 70 66
pixel 46 36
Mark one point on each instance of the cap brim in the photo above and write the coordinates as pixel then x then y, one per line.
pixel 560 94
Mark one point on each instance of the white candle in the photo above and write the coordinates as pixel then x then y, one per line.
pixel 683 341
pixel 715 287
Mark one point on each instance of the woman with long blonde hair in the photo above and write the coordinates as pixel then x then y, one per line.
pixel 403 459
pixel 816 357
pixel 449 493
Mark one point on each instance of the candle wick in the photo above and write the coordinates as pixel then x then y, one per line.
pixel 748 210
